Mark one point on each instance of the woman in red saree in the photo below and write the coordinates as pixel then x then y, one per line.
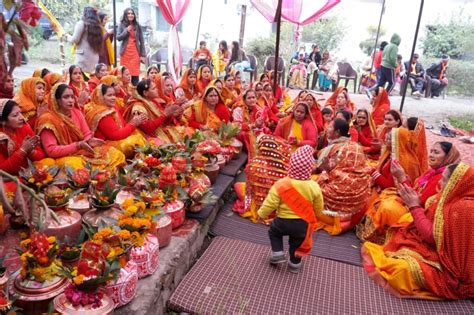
pixel 125 78
pixel 344 102
pixel 346 182
pixel 7 88
pixel 267 101
pixel 18 142
pixel 298 129
pixel 315 111
pixel 107 123
pixel 380 105
pixel 51 79
pixel 209 112
pixel 31 98
pixel 431 257
pixel 204 77
pixel 383 209
pixel 367 134
pixel 120 95
pixel 187 86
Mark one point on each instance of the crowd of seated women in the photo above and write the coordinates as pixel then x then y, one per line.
pixel 412 209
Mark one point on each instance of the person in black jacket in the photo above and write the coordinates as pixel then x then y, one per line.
pixel 437 74
pixel 314 59
pixel 416 75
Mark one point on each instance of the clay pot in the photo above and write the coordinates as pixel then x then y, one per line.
pixel 176 211
pixel 80 203
pixel 34 297
pixel 63 306
pixel 237 145
pixel 221 161
pixel 212 171
pixel 69 225
pixel 164 228
pixel 107 214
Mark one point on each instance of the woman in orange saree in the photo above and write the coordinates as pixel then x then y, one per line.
pixel 229 93
pixel 417 127
pixel 51 79
pixel 209 112
pixel 431 257
pixel 299 128
pixel 380 105
pixel 31 98
pixel 392 119
pixel 346 182
pixel 204 77
pixel 187 86
pixel 79 86
pixel 332 100
pixel 160 124
pixel 107 123
pixel 384 208
pixel 66 137
pixel 125 78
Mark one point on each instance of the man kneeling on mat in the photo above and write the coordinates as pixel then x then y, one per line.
pixel 295 198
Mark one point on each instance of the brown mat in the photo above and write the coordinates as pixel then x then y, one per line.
pixel 233 277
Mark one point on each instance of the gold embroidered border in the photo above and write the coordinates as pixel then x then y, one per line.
pixel 438 219
pixel 415 268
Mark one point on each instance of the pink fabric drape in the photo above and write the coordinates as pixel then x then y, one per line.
pixel 173 11
pixel 299 12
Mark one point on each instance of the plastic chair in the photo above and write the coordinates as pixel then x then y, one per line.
pixel 160 57
pixel 346 72
pixel 270 65
pixel 253 67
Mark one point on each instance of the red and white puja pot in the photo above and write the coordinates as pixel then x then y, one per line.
pixel 146 256
pixel 164 229
pixel 175 209
pixel 125 289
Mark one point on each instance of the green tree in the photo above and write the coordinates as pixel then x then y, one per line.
pixel 367 45
pixel 327 32
pixel 68 12
pixel 453 38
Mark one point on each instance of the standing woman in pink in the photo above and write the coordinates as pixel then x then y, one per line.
pixel 132 49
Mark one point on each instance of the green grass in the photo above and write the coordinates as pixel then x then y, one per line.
pixel 465 123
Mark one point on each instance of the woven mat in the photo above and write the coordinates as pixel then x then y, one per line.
pixel 344 248
pixel 233 277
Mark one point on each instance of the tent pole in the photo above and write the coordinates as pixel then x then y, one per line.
pixel 277 45
pixel 115 32
pixel 378 33
pixel 199 25
pixel 404 92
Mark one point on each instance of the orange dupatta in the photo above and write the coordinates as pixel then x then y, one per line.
pixel 203 114
pixel 303 208
pixel 331 101
pixel 405 151
pixel 201 83
pixel 96 110
pixel 26 97
pixel 189 92
pixel 64 129
pixel 380 106
pixel 420 135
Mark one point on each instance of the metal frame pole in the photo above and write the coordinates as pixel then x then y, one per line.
pixel 114 5
pixel 404 92
pixel 199 25
pixel 277 45
pixel 378 34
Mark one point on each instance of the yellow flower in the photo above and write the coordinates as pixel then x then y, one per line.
pixel 31 180
pixel 78 280
pixel 105 232
pixel 131 210
pixel 23 235
pixel 74 272
pixel 141 205
pixel 52 239
pixel 25 243
pixel 124 234
pixel 127 203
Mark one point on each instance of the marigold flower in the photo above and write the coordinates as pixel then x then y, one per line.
pixel 52 239
pixel 78 280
